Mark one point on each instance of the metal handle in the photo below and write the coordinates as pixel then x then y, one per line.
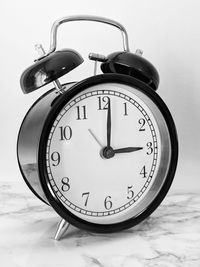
pixel 53 40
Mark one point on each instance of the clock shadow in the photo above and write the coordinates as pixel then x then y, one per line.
pixel 80 236
pixel 76 244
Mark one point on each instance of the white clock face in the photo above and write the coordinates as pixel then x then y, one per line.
pixel 105 153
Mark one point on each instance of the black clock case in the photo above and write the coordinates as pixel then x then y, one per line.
pixel 32 141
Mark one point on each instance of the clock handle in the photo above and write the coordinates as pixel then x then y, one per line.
pixel 57 23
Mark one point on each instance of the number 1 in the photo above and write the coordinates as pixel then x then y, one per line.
pixel 125 109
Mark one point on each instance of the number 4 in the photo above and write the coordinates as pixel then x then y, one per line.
pixel 143 172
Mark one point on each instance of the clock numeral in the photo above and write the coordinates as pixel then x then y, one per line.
pixel 143 172
pixel 150 148
pixel 65 184
pixel 86 195
pixel 125 109
pixel 108 203
pixel 142 123
pixel 55 157
pixel 103 102
pixel 81 113
pixel 65 133
pixel 130 192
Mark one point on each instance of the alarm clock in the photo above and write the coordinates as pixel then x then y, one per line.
pixel 102 152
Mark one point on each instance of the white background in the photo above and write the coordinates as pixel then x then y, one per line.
pixel 167 31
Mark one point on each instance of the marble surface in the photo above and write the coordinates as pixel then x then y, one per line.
pixel 169 238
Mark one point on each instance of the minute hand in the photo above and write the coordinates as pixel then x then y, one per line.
pixel 108 124
pixel 127 149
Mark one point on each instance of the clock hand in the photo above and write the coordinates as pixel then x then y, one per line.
pixel 109 124
pixel 95 138
pixel 109 152
pixel 127 149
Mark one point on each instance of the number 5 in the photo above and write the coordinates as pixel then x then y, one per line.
pixel 130 192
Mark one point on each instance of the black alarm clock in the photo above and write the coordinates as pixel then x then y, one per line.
pixel 102 152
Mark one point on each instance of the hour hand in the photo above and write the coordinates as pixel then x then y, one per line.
pixel 127 149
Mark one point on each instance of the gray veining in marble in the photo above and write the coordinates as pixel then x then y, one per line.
pixel 170 237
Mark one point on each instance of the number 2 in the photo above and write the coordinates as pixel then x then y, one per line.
pixel 142 123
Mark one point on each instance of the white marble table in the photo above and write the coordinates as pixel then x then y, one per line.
pixel 169 238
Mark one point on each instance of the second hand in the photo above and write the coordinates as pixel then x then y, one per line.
pixel 96 139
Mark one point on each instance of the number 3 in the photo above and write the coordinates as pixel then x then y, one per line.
pixel 150 148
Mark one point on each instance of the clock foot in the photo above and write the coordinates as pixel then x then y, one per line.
pixel 61 229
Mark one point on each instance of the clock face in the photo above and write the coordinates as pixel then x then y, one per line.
pixel 108 153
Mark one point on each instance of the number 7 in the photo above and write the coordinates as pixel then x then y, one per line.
pixel 87 196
